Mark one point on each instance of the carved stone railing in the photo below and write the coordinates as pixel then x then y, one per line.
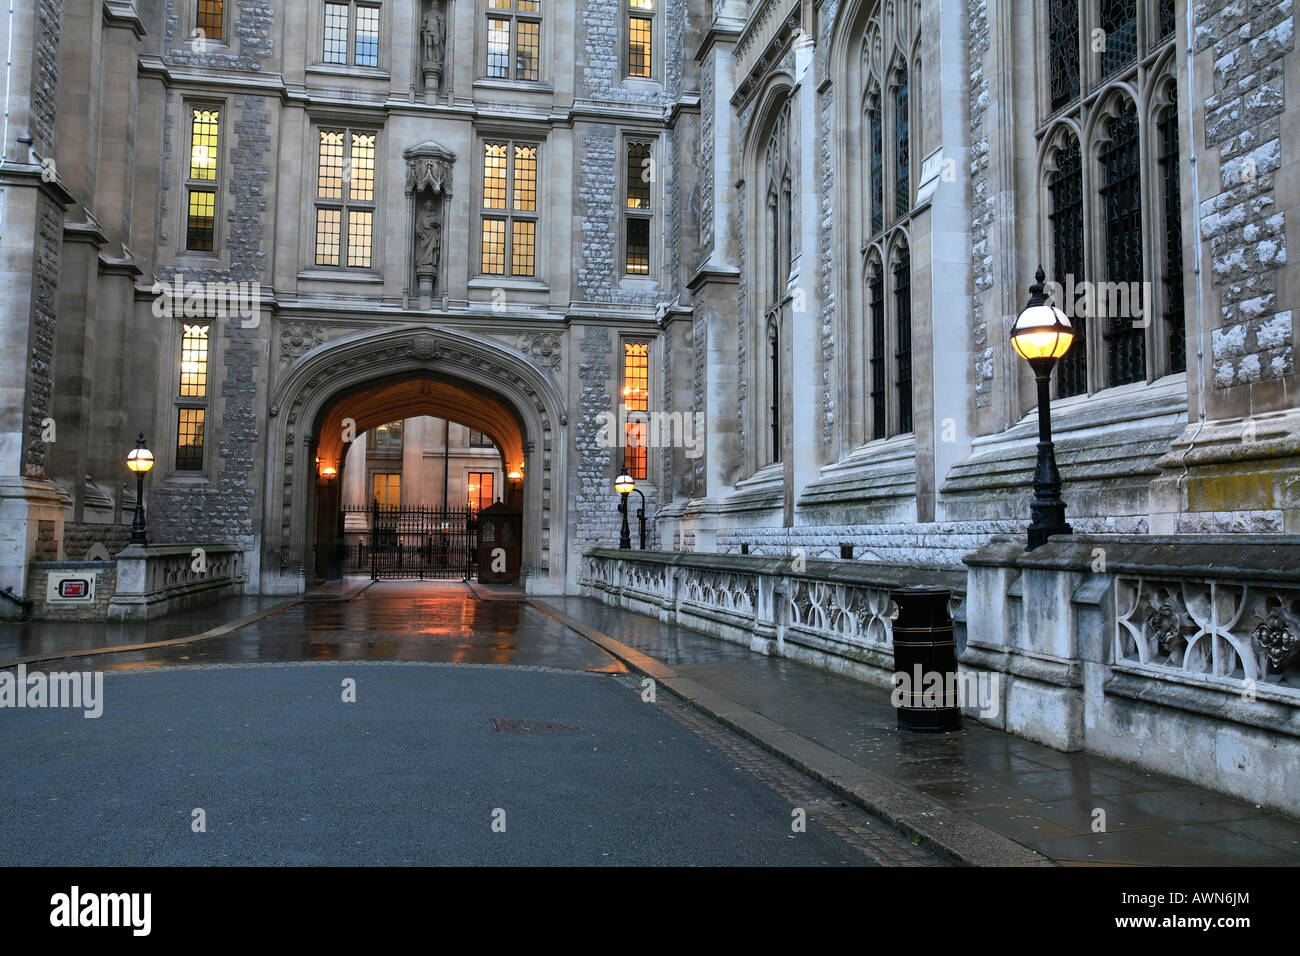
pixel 836 614
pixel 1180 654
pixel 156 580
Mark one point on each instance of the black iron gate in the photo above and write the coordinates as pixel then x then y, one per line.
pixel 414 542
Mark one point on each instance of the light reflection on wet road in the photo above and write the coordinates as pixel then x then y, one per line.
pixel 389 621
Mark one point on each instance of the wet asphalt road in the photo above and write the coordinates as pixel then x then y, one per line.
pixel 468 715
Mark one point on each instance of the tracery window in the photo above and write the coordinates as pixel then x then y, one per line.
pixel 1122 163
pixel 1065 188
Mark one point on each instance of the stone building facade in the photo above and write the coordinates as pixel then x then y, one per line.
pixel 801 228
pixel 765 255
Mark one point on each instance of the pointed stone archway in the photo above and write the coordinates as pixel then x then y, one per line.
pixel 374 376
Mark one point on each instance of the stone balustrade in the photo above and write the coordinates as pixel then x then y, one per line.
pixel 156 580
pixel 835 614
pixel 1181 655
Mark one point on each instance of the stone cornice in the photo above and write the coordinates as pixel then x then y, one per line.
pixel 122 13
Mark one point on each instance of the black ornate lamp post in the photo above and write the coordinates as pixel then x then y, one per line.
pixel 624 485
pixel 139 460
pixel 1041 335
pixel 640 515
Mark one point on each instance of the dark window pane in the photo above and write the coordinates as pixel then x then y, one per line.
pixel 1065 190
pixel 1172 280
pixel 638 246
pixel 189 439
pixel 877 356
pixel 1119 26
pixel 877 174
pixel 902 178
pixel 1063 51
pixel 903 306
pixel 1122 204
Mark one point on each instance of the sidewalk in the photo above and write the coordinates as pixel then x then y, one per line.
pixel 981 796
pixel 28 641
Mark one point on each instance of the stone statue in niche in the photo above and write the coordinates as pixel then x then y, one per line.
pixel 433 36
pixel 428 248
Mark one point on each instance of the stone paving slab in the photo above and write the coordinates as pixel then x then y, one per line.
pixel 973 792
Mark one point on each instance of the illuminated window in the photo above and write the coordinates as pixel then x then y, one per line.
pixel 208 19
pixel 514 39
pixel 640 38
pixel 193 390
pixel 351 34
pixel 637 211
pixel 201 179
pixel 481 490
pixel 345 198
pixel 194 361
pixel 387 490
pixel 189 439
pixel 509 206
pixel 636 399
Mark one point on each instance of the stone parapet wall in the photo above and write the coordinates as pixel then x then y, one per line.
pixel 1179 655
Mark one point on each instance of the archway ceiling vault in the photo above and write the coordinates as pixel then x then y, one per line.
pixel 421 395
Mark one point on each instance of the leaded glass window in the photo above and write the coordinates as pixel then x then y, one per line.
pixel 903 351
pixel 1122 208
pixel 1172 279
pixel 877 290
pixel 877 171
pixel 1119 30
pixel 1065 190
pixel 902 183
pixel 1063 51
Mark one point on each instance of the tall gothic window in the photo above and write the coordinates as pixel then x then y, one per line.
pixel 1122 209
pixel 509 209
pixel 774 386
pixel 1172 279
pixel 1063 62
pixel 876 289
pixel 877 168
pixel 636 403
pixel 345 198
pixel 1101 168
pixel 1065 190
pixel 192 405
pixel 902 136
pixel 201 179
pixel 637 213
pixel 640 38
pixel 1119 31
pixel 903 338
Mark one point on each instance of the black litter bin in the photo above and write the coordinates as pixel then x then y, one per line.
pixel 925 660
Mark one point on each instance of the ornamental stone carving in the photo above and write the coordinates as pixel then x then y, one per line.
pixel 428 167
pixel 299 338
pixel 545 348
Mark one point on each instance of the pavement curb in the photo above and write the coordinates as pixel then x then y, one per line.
pixel 947 831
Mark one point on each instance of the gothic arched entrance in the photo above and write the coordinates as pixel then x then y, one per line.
pixel 373 377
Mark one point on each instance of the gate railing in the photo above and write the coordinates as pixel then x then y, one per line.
pixel 414 542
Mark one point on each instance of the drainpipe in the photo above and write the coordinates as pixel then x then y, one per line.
pixel 4 142
pixel 1196 262
pixel 446 452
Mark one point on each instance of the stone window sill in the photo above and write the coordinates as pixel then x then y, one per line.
pixel 341 276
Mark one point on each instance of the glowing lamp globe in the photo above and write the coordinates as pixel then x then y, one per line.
pixel 139 459
pixel 624 484
pixel 1042 332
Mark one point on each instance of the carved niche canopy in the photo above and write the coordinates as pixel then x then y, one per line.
pixel 428 166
